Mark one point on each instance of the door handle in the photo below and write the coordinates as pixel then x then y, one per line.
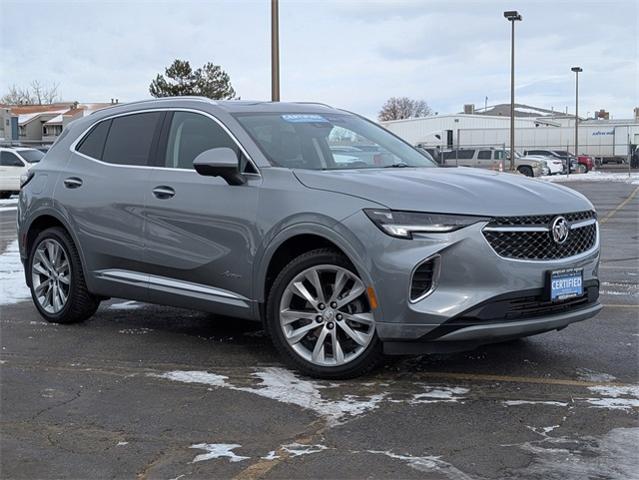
pixel 73 182
pixel 163 192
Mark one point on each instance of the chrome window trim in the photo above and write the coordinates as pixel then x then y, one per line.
pixel 80 137
pixel 436 271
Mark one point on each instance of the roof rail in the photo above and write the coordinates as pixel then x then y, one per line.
pixel 315 103
pixel 160 99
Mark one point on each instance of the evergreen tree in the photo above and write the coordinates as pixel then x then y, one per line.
pixel 180 79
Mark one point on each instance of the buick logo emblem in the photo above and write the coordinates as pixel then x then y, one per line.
pixel 559 230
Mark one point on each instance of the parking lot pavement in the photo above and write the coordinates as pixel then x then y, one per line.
pixel 152 392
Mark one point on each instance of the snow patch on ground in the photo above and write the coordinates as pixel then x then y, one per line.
pixel 615 397
pixel 135 331
pixel 596 176
pixel 427 464
pixel 218 450
pixel 128 305
pixel 439 394
pixel 284 386
pixel 297 449
pixel 514 403
pixel 612 456
pixel 194 376
pixel 592 376
pixel 13 288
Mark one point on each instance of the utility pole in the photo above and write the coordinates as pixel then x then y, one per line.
pixel 275 51
pixel 512 17
pixel 576 70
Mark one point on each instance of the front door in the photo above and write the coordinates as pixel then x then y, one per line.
pixel 201 235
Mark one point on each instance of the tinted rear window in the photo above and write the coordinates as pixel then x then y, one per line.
pixel 93 143
pixel 130 139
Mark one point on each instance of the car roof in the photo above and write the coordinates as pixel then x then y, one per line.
pixel 230 106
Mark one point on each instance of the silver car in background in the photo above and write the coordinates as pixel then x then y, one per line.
pixel 345 241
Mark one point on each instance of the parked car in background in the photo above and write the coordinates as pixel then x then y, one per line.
pixel 553 164
pixel 15 162
pixel 240 209
pixel 560 154
pixel 491 159
pixel 587 161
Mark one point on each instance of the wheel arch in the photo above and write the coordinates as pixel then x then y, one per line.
pixel 301 238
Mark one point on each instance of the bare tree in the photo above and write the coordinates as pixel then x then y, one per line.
pixel 398 108
pixel 35 94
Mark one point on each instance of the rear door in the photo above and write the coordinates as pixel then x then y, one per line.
pixel 201 231
pixel 104 189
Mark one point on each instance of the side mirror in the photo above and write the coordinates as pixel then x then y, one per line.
pixel 219 162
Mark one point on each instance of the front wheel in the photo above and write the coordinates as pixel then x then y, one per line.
pixel 320 319
pixel 526 171
pixel 58 288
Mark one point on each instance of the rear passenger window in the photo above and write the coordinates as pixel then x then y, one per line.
pixel 93 143
pixel 130 139
pixel 484 155
pixel 465 154
pixel 190 135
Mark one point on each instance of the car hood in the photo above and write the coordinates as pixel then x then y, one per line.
pixel 449 190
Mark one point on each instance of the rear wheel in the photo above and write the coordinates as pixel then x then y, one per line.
pixel 58 288
pixel 319 317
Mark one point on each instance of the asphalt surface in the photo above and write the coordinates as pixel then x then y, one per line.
pixel 152 392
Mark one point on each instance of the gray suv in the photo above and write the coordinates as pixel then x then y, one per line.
pixel 263 211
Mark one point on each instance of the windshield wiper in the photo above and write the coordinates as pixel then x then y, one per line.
pixel 397 165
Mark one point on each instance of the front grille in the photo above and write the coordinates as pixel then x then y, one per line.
pixel 539 245
pixel 423 279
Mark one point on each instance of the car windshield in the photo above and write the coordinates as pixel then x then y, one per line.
pixel 328 142
pixel 31 156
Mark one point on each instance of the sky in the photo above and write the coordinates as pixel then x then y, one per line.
pixel 349 54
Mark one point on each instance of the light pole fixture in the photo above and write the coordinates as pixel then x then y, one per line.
pixel 576 70
pixel 275 51
pixel 512 16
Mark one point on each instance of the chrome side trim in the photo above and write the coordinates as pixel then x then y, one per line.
pixel 80 137
pixel 158 282
pixel 436 270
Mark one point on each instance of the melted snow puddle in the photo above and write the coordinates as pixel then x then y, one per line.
pixel 13 288
pixel 217 450
pixel 613 456
pixel 427 464
pixel 592 376
pixel 282 385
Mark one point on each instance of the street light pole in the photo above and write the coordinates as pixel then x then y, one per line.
pixel 275 51
pixel 576 70
pixel 512 17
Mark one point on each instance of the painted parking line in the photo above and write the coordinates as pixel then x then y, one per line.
pixel 619 305
pixel 620 206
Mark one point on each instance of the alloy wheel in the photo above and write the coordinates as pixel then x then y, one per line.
pixel 325 315
pixel 51 276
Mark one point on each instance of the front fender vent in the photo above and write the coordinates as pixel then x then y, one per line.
pixel 424 279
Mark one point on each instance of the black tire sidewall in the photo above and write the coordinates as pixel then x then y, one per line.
pixel 61 237
pixel 364 362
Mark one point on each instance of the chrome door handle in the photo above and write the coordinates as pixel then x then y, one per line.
pixel 163 192
pixel 73 182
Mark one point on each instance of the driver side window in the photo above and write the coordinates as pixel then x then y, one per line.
pixel 189 135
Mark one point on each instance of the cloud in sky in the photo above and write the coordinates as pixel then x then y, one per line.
pixel 352 54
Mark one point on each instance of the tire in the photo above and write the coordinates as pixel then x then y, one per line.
pixel 366 353
pixel 79 304
pixel 526 170
pixel 5 195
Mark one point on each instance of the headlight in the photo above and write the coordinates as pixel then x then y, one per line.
pixel 26 178
pixel 405 224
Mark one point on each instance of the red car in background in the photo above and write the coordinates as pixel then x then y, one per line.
pixel 586 161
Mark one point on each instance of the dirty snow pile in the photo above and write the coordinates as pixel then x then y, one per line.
pixel 596 176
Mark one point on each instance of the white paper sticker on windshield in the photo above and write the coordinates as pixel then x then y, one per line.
pixel 303 118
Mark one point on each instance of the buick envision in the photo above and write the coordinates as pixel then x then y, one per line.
pixel 260 211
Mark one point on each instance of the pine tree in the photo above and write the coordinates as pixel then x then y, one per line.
pixel 180 79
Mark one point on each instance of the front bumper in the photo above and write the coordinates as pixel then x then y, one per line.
pixel 471 275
